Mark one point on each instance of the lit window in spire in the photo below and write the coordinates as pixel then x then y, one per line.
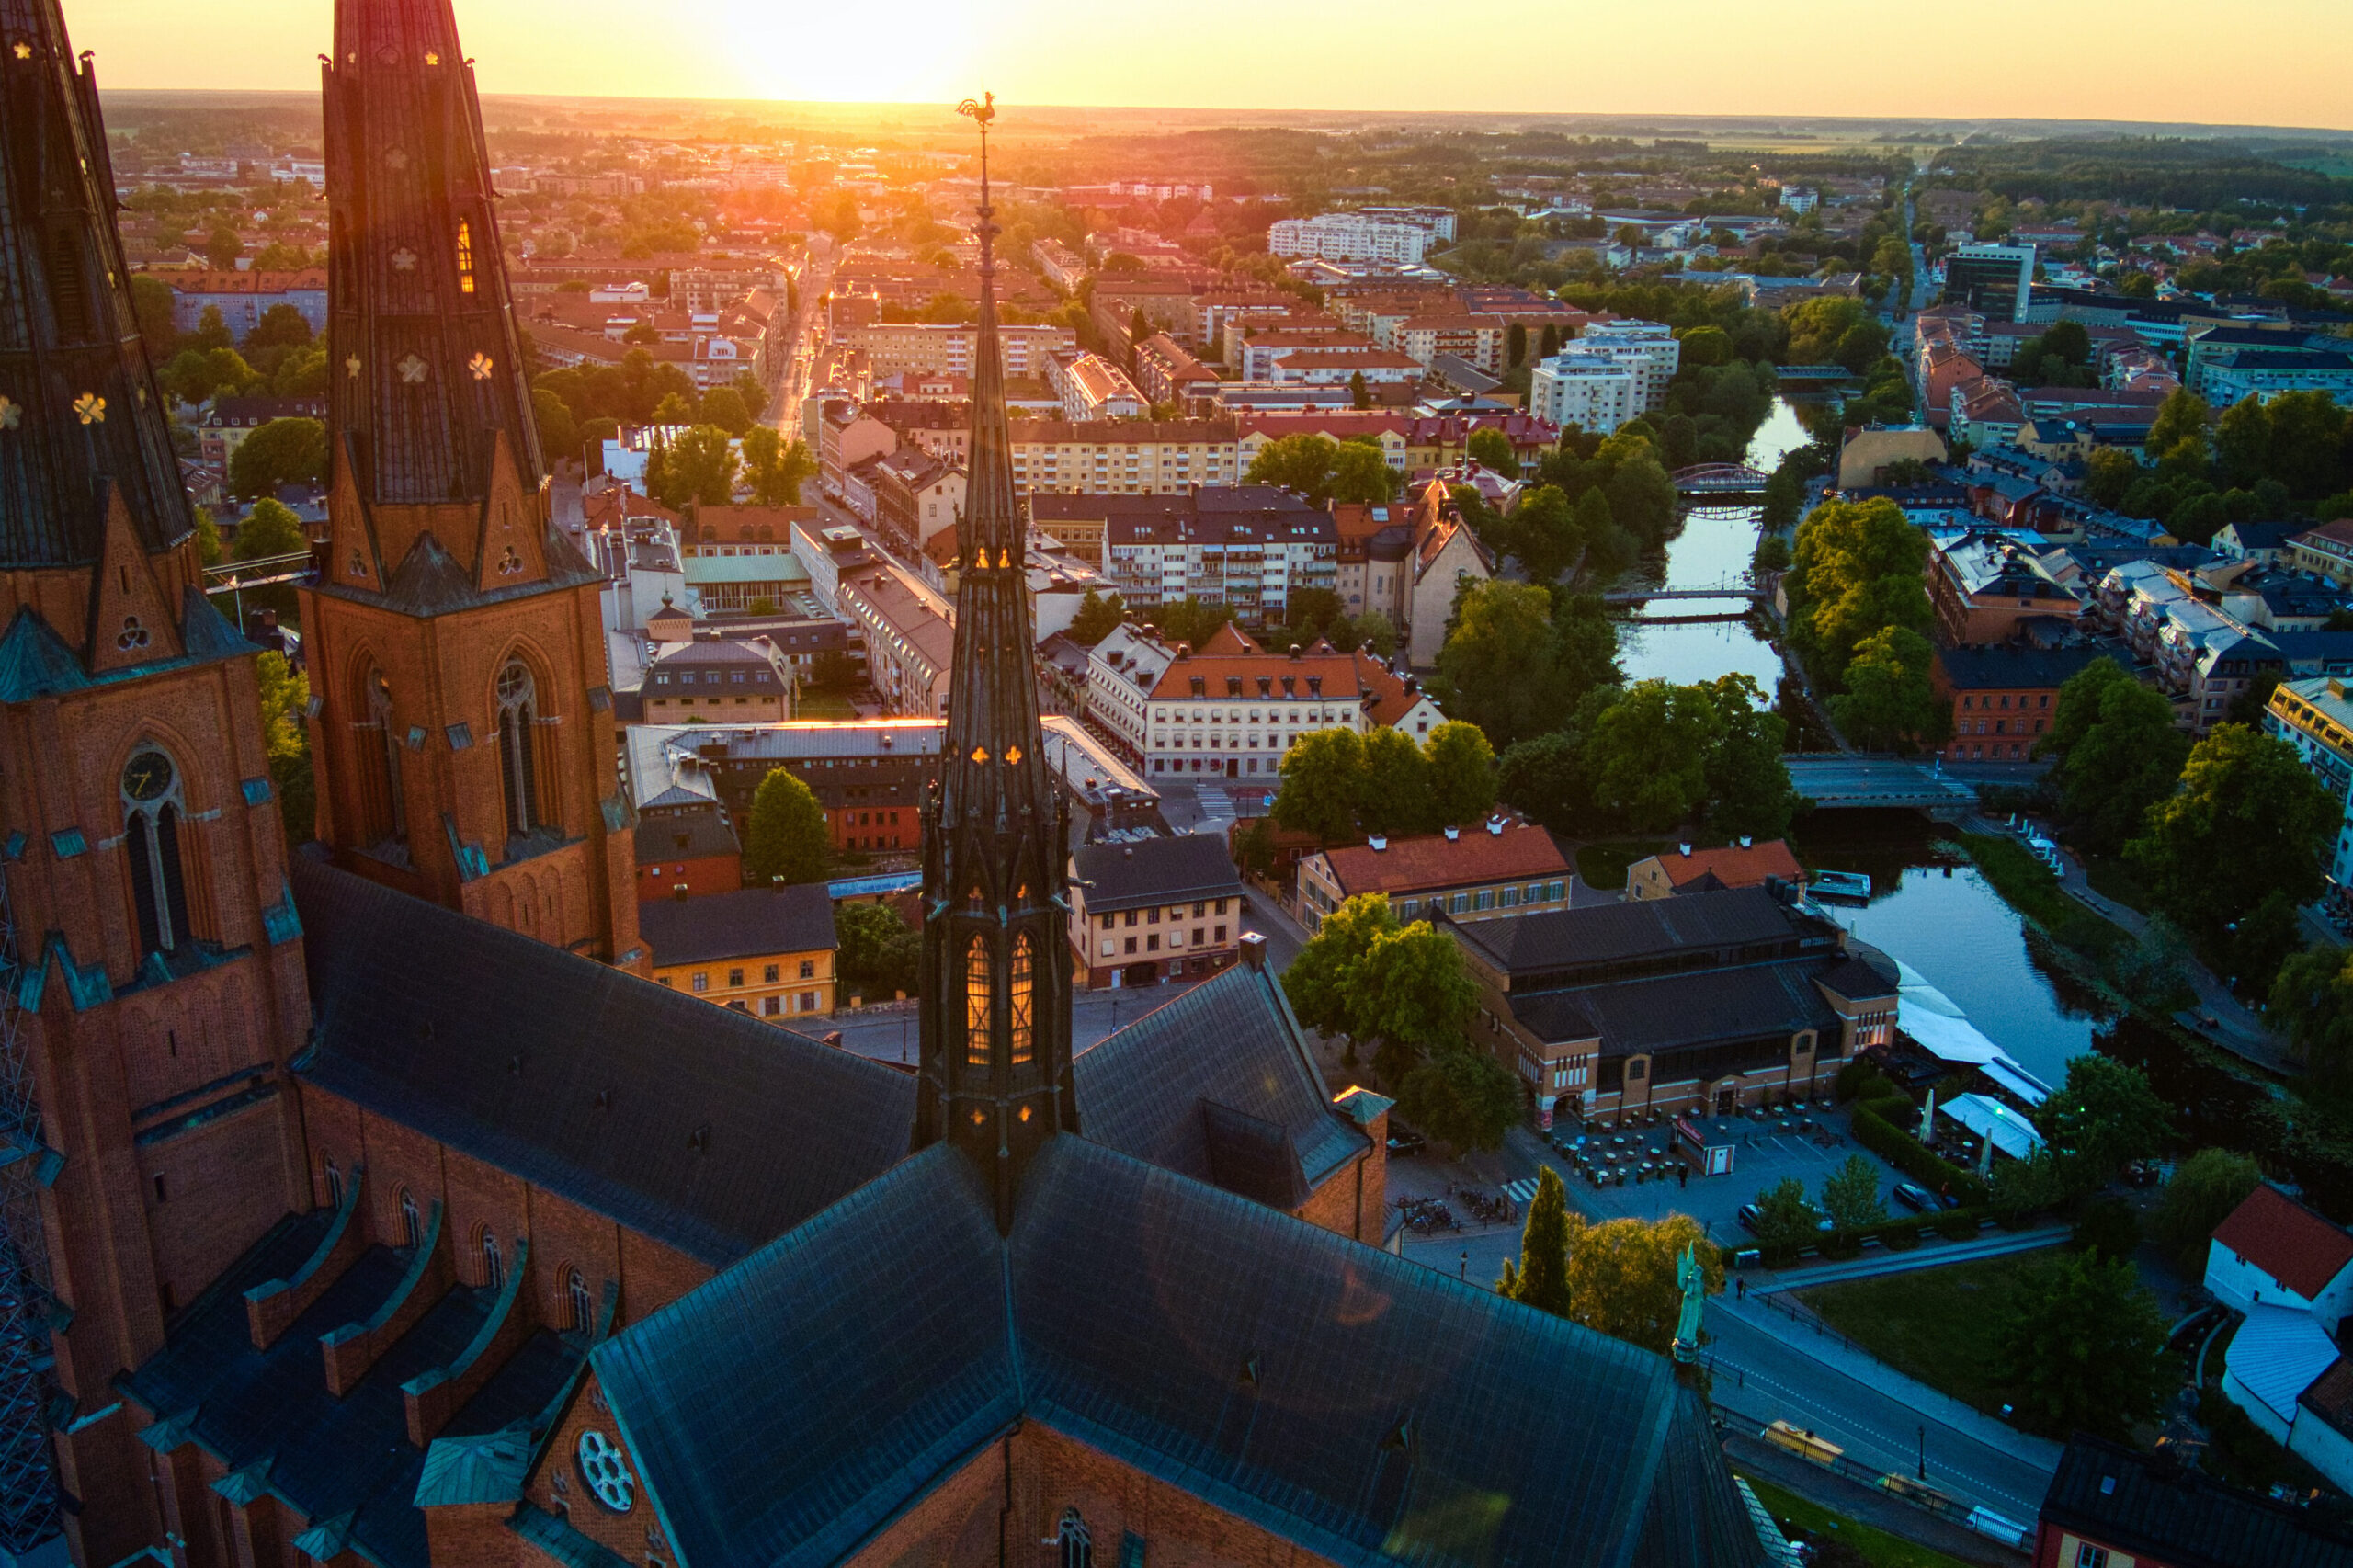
pixel 976 1003
pixel 1020 996
pixel 465 257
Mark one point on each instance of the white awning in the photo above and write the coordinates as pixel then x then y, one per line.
pixel 1989 1118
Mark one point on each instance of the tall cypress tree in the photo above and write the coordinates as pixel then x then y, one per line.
pixel 1542 1281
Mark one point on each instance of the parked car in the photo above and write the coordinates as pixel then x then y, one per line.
pixel 1403 1140
pixel 1914 1197
pixel 1750 1215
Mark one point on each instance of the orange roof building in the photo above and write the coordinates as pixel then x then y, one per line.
pixel 1476 872
pixel 1741 865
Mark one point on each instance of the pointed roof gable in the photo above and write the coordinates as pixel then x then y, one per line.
pixel 78 401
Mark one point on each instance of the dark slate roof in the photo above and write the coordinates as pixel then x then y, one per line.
pixel 694 833
pixel 502 1047
pixel 800 1399
pixel 1157 870
pixel 1369 1410
pixel 1865 973
pixel 324 1456
pixel 1230 1041
pixel 2130 1503
pixel 1606 932
pixel 2012 668
pixel 1682 1010
pixel 743 924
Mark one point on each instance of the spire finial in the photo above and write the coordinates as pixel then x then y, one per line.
pixel 981 111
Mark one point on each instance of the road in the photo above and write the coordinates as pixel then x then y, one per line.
pixel 804 334
pixel 1764 1377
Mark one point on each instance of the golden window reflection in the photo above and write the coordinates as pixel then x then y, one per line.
pixel 976 1003
pixel 1021 998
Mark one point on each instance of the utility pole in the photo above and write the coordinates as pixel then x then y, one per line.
pixel 1924 1452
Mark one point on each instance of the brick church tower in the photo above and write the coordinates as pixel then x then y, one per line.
pixel 460 720
pixel 152 987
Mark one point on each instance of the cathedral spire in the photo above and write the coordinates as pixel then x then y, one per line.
pixel 79 411
pixel 997 1057
pixel 427 372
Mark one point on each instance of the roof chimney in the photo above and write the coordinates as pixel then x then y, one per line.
pixel 1380 842
pixel 1746 842
pixel 1294 652
pixel 1495 827
pixel 1452 832
pixel 1184 651
pixel 678 892
pixel 1686 851
pixel 1254 949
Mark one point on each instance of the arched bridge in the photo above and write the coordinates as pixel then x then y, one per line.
pixel 1719 478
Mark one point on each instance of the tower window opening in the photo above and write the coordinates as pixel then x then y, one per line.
pixel 1020 996
pixel 518 768
pixel 387 811
pixel 978 987
pixel 152 804
pixel 465 257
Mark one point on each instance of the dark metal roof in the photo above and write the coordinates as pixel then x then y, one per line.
pixel 503 1047
pixel 743 924
pixel 1679 1011
pixel 1229 1041
pixel 1369 1410
pixel 1609 932
pixel 2010 668
pixel 79 410
pixel 690 833
pixel 2131 1502
pixel 1157 870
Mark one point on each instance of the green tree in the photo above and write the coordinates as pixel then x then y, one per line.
pixel 1376 628
pixel 559 432
pixel 151 307
pixel 748 387
pixel 1890 698
pixel 699 466
pixel 1097 618
pixel 1321 982
pixel 211 332
pixel 285 697
pixel 1647 754
pixel 2312 1001
pixel 1858 570
pixel 2183 417
pixel 1360 475
pixel 1359 394
pixel 198 375
pixel 1850 1194
pixel 1322 787
pixel 2242 442
pixel 1461 1096
pixel 281 326
pixel 270 528
pixel 1543 531
pixel 1302 464
pixel 1748 789
pixel 2200 1196
pixel 2081 1338
pixel 1642 497
pixel 2102 1119
pixel 222 248
pixel 2105 1227
pixel 1786 1217
pixel 1706 346
pixel 786 841
pixel 1541 1278
pixel 1514 662
pixel 2118 753
pixel 1621 1277
pixel 1411 990
pixel 1394 794
pixel 2250 823
pixel 209 551
pixel 723 407
pixel 1608 549
pixel 878 953
pixel 1491 449
pixel 2309 443
pixel 774 469
pixel 1462 773
pixel 2108 473
pixel 303 373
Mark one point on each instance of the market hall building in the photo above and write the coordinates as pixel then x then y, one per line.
pixel 392 1218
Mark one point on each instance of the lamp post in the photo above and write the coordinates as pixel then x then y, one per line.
pixel 1924 1452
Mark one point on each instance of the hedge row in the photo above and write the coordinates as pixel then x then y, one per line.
pixel 1876 1129
pixel 1901 1234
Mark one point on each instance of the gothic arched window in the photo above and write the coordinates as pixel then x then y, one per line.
pixel 493 1267
pixel 465 257
pixel 1079 1550
pixel 518 770
pixel 575 1296
pixel 977 987
pixel 335 1186
pixel 1023 1010
pixel 387 812
pixel 412 1223
pixel 152 805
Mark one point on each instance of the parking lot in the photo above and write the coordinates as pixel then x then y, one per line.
pixel 1807 1146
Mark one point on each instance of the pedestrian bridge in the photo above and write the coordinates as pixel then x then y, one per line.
pixel 1719 478
pixel 1868 781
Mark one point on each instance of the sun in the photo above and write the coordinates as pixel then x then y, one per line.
pixel 930 49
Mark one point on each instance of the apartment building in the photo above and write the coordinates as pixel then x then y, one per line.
pixel 1166 373
pixel 910 637
pixel 1092 388
pixel 1648 348
pixel 766 951
pixel 2315 716
pixel 1142 457
pixel 916 495
pixel 1153 909
pixel 898 348
pixel 1593 392
pixel 1350 236
pixel 718 679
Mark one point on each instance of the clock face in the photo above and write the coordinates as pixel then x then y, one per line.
pixel 148 777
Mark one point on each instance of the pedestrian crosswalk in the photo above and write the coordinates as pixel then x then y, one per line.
pixel 1522 1192
pixel 1217 810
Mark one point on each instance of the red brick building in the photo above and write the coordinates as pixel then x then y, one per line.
pixel 694 847
pixel 2002 698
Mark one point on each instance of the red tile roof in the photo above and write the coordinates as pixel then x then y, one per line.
pixel 1433 861
pixel 2298 1248
pixel 1733 866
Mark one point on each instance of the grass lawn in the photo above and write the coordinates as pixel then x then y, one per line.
pixel 816 704
pixel 1604 865
pixel 2113 877
pixel 1797 1517
pixel 1938 1325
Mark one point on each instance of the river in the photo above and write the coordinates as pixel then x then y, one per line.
pixel 1713 545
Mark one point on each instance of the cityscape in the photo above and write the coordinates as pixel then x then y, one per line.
pixel 748 820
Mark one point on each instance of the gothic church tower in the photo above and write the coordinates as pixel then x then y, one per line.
pixel 462 724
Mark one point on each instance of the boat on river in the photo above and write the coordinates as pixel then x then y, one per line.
pixel 1850 887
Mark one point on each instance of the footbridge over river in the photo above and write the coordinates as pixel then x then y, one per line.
pixel 1868 781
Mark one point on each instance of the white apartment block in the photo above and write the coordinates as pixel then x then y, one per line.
pixel 1647 349
pixel 1128 457
pixel 1091 387
pixel 931 348
pixel 1589 390
pixel 1349 236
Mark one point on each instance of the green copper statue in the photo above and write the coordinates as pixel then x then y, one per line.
pixel 1693 1281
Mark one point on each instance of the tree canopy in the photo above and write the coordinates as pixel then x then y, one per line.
pixel 2082 1339
pixel 283 451
pixel 2118 753
pixel 1858 570
pixel 699 466
pixel 1514 661
pixel 786 839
